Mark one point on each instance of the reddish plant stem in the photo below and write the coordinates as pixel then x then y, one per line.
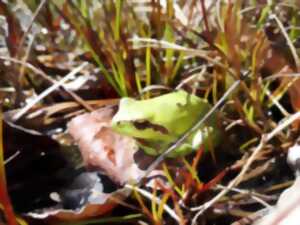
pixel 205 20
pixel 4 198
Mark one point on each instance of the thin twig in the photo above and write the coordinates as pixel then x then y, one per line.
pixel 282 75
pixel 36 13
pixel 255 196
pixel 23 69
pixel 46 77
pixel 25 58
pixel 12 157
pixel 234 123
pixel 48 91
pixel 190 78
pixel 288 40
pixel 277 103
pixel 252 218
pixel 154 87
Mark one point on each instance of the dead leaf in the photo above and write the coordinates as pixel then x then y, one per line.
pixel 103 148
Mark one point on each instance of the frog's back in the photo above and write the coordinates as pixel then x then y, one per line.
pixel 179 111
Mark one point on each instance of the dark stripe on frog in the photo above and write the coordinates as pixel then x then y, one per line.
pixel 145 124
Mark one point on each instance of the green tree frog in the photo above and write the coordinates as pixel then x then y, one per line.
pixel 157 122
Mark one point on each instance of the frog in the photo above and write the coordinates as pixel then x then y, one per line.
pixel 158 122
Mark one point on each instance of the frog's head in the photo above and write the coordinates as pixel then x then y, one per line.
pixel 135 119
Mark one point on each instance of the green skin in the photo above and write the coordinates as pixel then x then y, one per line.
pixel 158 122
